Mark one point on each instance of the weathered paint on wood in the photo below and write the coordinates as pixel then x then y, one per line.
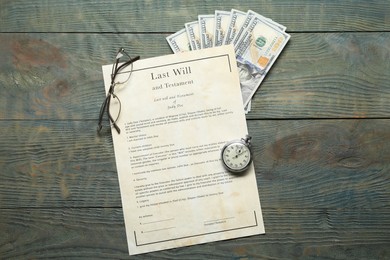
pixel 320 127
pixel 325 75
pixel 169 16
pixel 299 164
pixel 291 234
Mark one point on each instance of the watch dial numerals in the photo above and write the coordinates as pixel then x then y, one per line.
pixel 236 155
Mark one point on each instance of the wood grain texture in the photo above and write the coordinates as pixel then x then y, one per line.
pixel 320 126
pixel 99 234
pixel 170 16
pixel 325 75
pixel 343 75
pixel 299 164
pixel 323 164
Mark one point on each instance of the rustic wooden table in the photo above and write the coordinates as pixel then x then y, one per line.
pixel 320 123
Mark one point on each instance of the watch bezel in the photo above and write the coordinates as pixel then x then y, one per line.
pixel 244 142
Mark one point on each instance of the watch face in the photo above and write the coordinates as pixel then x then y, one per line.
pixel 236 156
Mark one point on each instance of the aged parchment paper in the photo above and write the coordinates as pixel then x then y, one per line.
pixel 177 113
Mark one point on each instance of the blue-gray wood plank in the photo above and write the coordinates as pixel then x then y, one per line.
pixel 167 16
pixel 320 125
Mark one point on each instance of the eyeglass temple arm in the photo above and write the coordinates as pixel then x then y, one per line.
pixel 111 118
pixel 102 108
pixel 100 125
pixel 127 63
pixel 107 102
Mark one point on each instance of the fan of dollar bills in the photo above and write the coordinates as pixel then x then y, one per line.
pixel 257 41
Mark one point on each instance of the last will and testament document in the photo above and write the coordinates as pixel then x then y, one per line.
pixel 177 113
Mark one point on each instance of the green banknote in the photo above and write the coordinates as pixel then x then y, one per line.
pixel 192 29
pixel 222 19
pixel 206 30
pixel 257 41
pixel 237 19
pixel 179 41
pixel 256 51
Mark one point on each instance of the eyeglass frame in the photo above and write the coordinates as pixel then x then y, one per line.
pixel 116 68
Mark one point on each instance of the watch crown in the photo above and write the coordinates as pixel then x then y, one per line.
pixel 247 140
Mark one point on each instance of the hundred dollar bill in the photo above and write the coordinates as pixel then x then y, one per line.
pixel 206 30
pixel 179 41
pixel 192 29
pixel 242 28
pixel 248 107
pixel 256 51
pixel 222 19
pixel 268 20
pixel 249 16
pixel 237 19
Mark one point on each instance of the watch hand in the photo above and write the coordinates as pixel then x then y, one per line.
pixel 239 152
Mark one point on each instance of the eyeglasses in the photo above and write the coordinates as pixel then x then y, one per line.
pixel 117 67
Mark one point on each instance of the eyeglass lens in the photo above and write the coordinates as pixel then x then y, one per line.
pixel 112 103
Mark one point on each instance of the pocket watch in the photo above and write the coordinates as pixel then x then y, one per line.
pixel 237 155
